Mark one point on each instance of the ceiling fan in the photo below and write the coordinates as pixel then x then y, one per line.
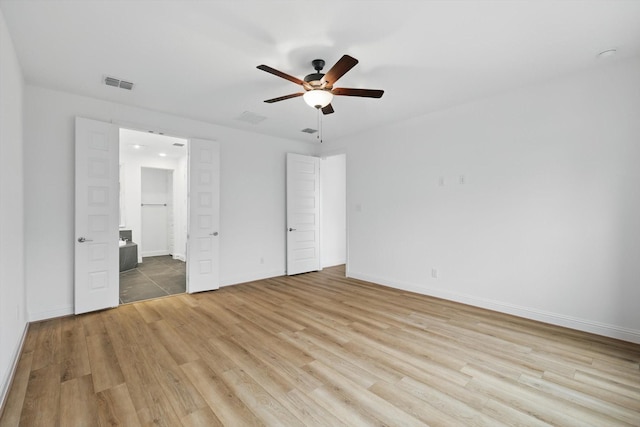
pixel 319 90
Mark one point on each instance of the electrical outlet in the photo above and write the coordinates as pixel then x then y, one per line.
pixel 261 260
pixel 441 181
pixel 461 180
pixel 434 273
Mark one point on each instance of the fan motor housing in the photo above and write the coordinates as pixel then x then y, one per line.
pixel 313 77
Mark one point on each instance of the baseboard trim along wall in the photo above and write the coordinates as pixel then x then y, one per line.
pixel 155 253
pixel 611 331
pixel 333 262
pixel 50 314
pixel 236 280
pixel 6 386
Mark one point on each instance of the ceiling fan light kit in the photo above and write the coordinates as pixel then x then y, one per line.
pixel 318 98
pixel 319 90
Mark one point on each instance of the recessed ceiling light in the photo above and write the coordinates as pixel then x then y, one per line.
pixel 606 53
pixel 138 146
pixel 162 154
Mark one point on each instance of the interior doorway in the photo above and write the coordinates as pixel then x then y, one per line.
pixel 98 223
pixel 316 213
pixel 333 202
pixel 153 215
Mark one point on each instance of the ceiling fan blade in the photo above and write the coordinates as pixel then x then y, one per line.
pixel 327 110
pixel 281 74
pixel 340 68
pixel 366 93
pixel 282 98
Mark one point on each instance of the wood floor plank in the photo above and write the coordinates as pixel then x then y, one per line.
pixel 354 404
pixel 140 369
pixel 105 368
pixel 172 341
pixel 42 399
pixel 511 416
pixel 201 418
pixel 115 407
pixel 597 392
pixel 74 353
pixel 78 402
pixel 261 402
pixel 343 365
pixel 17 393
pixel 311 413
pixel 318 349
pixel 412 405
pixel 532 400
pixel 460 410
pixel 224 403
pixel 47 346
pixel 581 398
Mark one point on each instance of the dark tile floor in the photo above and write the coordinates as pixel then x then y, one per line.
pixel 155 277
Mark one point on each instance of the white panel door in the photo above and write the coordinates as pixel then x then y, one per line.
pixel 203 244
pixel 96 271
pixel 303 213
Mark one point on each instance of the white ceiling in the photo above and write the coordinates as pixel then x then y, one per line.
pixel 151 145
pixel 198 59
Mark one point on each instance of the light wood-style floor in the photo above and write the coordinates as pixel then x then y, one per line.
pixel 318 349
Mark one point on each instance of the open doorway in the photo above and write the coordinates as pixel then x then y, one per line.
pixel 333 184
pixel 97 220
pixel 153 215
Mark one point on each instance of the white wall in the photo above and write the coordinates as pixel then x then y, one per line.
pixel 13 319
pixel 252 217
pixel 333 228
pixel 155 217
pixel 180 202
pixel 526 203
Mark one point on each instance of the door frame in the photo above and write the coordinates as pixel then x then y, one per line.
pixel 303 218
pixel 141 128
pixel 323 157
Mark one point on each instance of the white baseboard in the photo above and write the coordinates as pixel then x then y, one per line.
pixel 50 314
pixel 607 330
pixel 181 257
pixel 155 253
pixel 333 262
pixel 6 384
pixel 250 277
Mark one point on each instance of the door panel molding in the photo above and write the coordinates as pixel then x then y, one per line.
pixel 96 266
pixel 203 243
pixel 303 213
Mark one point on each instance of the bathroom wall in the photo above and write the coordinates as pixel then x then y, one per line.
pixel 180 192
pixel 156 200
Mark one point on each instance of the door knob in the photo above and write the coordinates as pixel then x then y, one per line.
pixel 82 240
pixel 215 233
pixel 292 229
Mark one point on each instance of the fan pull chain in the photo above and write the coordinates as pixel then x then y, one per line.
pixel 319 125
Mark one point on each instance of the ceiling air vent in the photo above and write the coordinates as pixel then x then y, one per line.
pixel 178 144
pixel 309 130
pixel 122 84
pixel 250 117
